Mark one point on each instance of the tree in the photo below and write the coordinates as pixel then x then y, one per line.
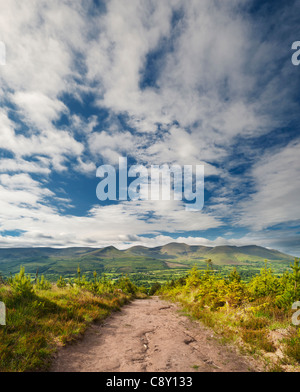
pixel 296 277
pixel 209 264
pixel 78 273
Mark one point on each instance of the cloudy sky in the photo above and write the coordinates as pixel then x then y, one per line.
pixel 184 82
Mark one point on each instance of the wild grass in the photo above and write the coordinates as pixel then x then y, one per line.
pixel 41 317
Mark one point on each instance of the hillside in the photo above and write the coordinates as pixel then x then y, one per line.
pixel 137 259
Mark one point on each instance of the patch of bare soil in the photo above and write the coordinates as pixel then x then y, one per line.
pixel 150 335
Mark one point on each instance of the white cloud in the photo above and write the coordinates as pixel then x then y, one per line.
pixel 205 80
pixel 216 78
pixel 50 142
pixel 38 109
pixel 21 165
pixel 40 39
pixel 276 192
pixel 87 168
pixel 29 206
pixel 111 146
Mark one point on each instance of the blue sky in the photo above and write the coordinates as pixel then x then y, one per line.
pixel 161 82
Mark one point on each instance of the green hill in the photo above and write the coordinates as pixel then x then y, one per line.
pixel 137 259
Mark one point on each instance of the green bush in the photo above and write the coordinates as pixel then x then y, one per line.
pixel 292 348
pixel 154 288
pixel 43 284
pixel 61 282
pixel 126 285
pixel 21 284
pixel 265 284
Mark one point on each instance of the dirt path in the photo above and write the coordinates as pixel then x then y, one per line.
pixel 149 335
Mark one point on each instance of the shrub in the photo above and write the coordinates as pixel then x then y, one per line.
pixel 126 285
pixel 234 276
pixel 43 284
pixel 290 284
pixel 292 348
pixel 258 339
pixel 265 284
pixel 21 284
pixel 154 288
pixel 61 282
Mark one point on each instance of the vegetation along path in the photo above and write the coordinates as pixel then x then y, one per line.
pixel 149 335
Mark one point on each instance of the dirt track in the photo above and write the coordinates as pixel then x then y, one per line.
pixel 149 335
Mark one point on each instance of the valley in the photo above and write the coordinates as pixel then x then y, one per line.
pixel 144 265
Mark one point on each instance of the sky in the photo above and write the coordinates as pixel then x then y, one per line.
pixel 184 82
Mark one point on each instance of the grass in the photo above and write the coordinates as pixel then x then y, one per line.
pixel 37 325
pixel 292 346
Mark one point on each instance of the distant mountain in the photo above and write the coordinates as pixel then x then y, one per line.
pixel 54 261
pixel 221 255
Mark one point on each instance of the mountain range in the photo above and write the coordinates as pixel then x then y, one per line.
pixel 53 261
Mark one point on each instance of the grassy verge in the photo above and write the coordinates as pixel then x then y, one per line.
pixel 38 321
